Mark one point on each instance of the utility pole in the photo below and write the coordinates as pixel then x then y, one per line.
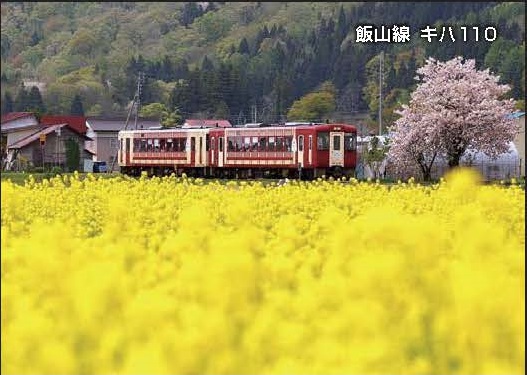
pixel 135 104
pixel 140 79
pixel 381 68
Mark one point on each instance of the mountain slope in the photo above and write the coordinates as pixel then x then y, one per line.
pixel 230 59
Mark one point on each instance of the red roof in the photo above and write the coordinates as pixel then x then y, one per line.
pixel 77 123
pixel 15 116
pixel 194 123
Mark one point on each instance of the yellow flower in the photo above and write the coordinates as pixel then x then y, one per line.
pixel 181 275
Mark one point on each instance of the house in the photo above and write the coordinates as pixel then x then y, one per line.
pixel 211 123
pixel 519 140
pixel 103 134
pixel 46 147
pixel 15 126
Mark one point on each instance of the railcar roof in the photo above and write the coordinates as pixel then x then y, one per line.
pixel 238 129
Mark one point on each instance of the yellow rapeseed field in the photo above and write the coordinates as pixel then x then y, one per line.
pixel 175 275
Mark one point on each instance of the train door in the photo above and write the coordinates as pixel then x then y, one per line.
pixel 120 154
pixel 212 150
pixel 127 151
pixel 300 148
pixel 191 150
pixel 310 156
pixel 199 151
pixel 221 152
pixel 336 149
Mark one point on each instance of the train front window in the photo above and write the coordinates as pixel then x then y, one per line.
pixel 350 142
pixel 323 141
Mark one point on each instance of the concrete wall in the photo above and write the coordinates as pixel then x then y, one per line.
pixel 106 146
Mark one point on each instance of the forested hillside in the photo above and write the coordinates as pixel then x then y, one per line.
pixel 239 60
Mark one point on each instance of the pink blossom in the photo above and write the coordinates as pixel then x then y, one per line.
pixel 454 108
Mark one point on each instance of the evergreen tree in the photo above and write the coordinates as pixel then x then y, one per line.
pixel 342 26
pixel 190 11
pixel 207 65
pixel 34 101
pixel 21 100
pixel 73 156
pixel 7 103
pixel 390 75
pixel 167 70
pixel 244 47
pixel 76 106
pixel 34 39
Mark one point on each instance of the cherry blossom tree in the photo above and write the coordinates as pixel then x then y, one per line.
pixel 454 108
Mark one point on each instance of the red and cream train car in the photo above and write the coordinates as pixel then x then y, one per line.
pixel 311 150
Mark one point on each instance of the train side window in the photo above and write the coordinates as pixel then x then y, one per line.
pixel 271 144
pixel 310 142
pixel 221 144
pixel 288 142
pixel 192 143
pixel 254 146
pixel 230 144
pixel 239 144
pixel 350 142
pixel 300 143
pixel 207 142
pixel 137 145
pixel 212 146
pixel 279 144
pixel 162 144
pixel 246 143
pixel 262 144
pixel 323 141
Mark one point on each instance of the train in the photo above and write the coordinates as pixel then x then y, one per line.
pixel 293 150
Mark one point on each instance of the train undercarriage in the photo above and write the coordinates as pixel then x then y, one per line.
pixel 243 173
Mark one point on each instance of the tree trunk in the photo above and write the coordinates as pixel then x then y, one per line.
pixel 453 160
pixel 427 175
